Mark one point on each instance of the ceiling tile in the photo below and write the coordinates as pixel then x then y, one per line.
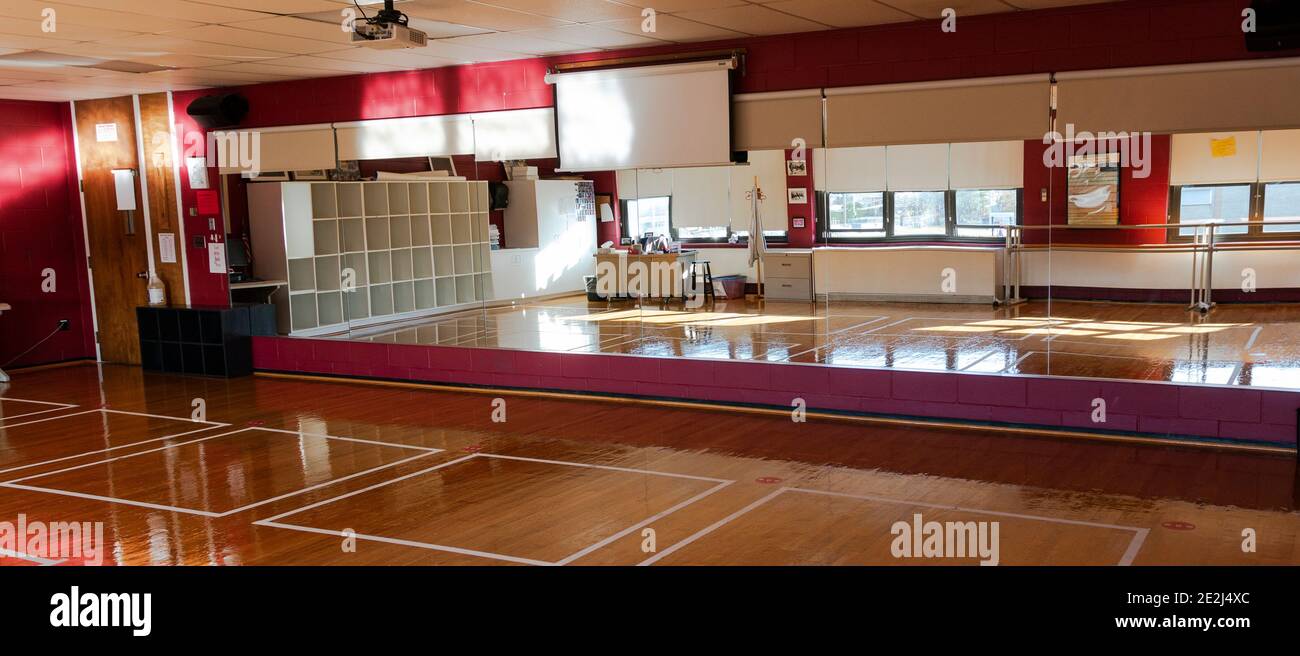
pixel 402 59
pixel 591 36
pixel 16 42
pixel 671 28
pixel 513 42
pixel 841 13
pixel 232 36
pixel 463 12
pixel 578 11
pixel 293 72
pixel 157 45
pixel 283 7
pixel 338 60
pixel 201 11
pixel 112 19
pixel 63 32
pixel 933 9
pixel 465 54
pixel 752 19
pixel 673 6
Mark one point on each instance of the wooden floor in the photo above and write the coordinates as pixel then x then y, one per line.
pixel 1248 345
pixel 283 470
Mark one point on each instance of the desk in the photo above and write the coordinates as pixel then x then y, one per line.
pixel 660 275
pixel 254 291
pixel 4 377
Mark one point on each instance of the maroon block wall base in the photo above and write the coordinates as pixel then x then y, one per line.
pixel 1169 410
pixel 1059 292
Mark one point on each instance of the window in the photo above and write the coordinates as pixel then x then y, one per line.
pixel 990 207
pixel 856 215
pixel 1282 203
pixel 1213 204
pixel 647 215
pixel 910 215
pixel 920 213
pixel 1226 204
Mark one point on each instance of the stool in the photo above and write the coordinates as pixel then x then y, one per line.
pixel 698 269
pixel 4 377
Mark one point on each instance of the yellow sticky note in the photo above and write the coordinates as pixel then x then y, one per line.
pixel 1226 147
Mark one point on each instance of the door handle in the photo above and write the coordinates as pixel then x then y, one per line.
pixel 143 275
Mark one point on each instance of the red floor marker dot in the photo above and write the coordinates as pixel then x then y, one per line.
pixel 473 448
pixel 767 480
pixel 1179 526
pixel 256 422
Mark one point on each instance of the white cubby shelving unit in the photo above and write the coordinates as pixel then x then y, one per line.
pixel 405 249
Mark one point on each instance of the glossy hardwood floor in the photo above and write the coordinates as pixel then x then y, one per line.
pixel 286 471
pixel 1250 345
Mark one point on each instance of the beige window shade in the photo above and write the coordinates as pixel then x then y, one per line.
pixel 645 183
pixel 917 168
pixel 421 136
pixel 1237 96
pixel 1280 156
pixel 276 149
pixel 993 109
pixel 987 165
pixel 850 169
pixel 768 121
pixel 1214 158
pixel 518 134
pixel 700 197
pixel 769 167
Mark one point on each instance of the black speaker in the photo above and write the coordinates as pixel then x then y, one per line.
pixel 221 111
pixel 1277 26
pixel 498 196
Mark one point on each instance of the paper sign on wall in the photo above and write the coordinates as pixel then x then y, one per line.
pixel 124 185
pixel 105 132
pixel 216 257
pixel 1226 147
pixel 196 169
pixel 167 247
pixel 208 202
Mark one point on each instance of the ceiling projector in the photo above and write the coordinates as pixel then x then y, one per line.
pixel 387 30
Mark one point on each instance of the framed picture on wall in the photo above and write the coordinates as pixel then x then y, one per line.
pixel 797 195
pixel 796 168
pixel 1092 187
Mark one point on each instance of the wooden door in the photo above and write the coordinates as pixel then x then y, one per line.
pixel 118 244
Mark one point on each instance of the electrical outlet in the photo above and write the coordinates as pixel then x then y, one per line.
pixel 65 324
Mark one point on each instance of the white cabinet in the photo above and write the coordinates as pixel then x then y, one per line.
pixel 787 276
pixel 360 253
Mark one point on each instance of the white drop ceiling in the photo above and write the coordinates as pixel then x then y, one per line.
pixel 213 43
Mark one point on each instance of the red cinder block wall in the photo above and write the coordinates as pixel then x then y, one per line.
pixel 206 288
pixel 40 228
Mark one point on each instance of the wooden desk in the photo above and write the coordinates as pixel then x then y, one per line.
pixel 646 276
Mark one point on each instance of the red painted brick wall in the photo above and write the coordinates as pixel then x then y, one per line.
pixel 40 228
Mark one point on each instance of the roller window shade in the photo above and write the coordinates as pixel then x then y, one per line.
pixel 850 169
pixel 700 197
pixel 645 183
pixel 1280 156
pixel 275 149
pixel 773 121
pixel 917 168
pixel 422 136
pixel 520 134
pixel 1218 97
pixel 769 166
pixel 1214 158
pixel 995 109
pixel 987 165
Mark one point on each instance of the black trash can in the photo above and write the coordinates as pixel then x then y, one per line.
pixel 591 290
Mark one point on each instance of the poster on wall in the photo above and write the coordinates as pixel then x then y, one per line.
pixel 1093 190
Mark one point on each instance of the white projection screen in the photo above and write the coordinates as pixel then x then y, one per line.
pixel 644 117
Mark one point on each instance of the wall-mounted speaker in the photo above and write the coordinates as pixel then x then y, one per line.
pixel 1277 26
pixel 218 111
